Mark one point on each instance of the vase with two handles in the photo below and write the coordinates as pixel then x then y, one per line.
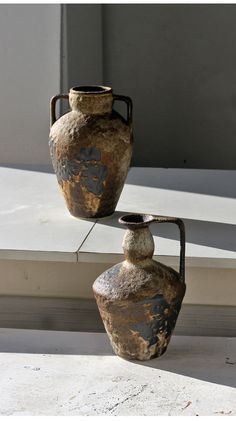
pixel 91 148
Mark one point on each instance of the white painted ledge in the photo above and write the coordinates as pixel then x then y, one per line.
pixel 65 373
pixel 36 225
pixel 34 221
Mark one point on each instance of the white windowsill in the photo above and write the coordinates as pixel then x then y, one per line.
pixel 36 225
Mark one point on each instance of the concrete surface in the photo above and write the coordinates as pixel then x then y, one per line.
pixel 49 373
pixel 204 198
pixel 34 221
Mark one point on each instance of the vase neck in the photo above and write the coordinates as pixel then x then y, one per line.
pixel 138 245
pixel 91 99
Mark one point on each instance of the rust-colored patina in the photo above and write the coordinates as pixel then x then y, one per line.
pixel 139 299
pixel 91 148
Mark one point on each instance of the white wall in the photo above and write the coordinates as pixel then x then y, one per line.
pixel 29 76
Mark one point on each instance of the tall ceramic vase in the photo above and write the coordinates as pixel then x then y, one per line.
pixel 139 299
pixel 91 148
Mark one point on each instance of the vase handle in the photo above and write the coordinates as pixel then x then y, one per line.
pixel 53 106
pixel 179 222
pixel 129 104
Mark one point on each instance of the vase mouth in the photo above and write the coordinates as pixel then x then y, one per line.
pixel 136 220
pixel 91 89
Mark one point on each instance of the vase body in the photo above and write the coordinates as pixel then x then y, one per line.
pixel 139 299
pixel 91 149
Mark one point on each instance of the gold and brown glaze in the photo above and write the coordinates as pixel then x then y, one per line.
pixel 139 299
pixel 91 148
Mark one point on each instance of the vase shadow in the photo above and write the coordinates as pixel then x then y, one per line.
pixel 204 233
pixel 202 358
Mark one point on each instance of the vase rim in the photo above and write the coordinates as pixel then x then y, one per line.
pixel 136 220
pixel 91 89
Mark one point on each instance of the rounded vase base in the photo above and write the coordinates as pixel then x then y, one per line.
pixel 93 217
pixel 157 354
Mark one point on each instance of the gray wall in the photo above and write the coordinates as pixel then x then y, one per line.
pixel 177 62
pixel 29 76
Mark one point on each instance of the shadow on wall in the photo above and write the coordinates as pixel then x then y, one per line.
pixel 208 182
pixel 38 168
pixel 200 358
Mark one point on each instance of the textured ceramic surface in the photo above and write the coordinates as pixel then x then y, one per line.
pixel 139 299
pixel 91 148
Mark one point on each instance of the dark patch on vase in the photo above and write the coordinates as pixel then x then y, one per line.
pixel 93 177
pixel 57 166
pixel 85 164
pixel 163 321
pixel 66 170
pixel 146 331
pixel 88 154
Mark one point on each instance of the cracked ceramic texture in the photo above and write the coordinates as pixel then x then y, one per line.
pixel 91 148
pixel 139 300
